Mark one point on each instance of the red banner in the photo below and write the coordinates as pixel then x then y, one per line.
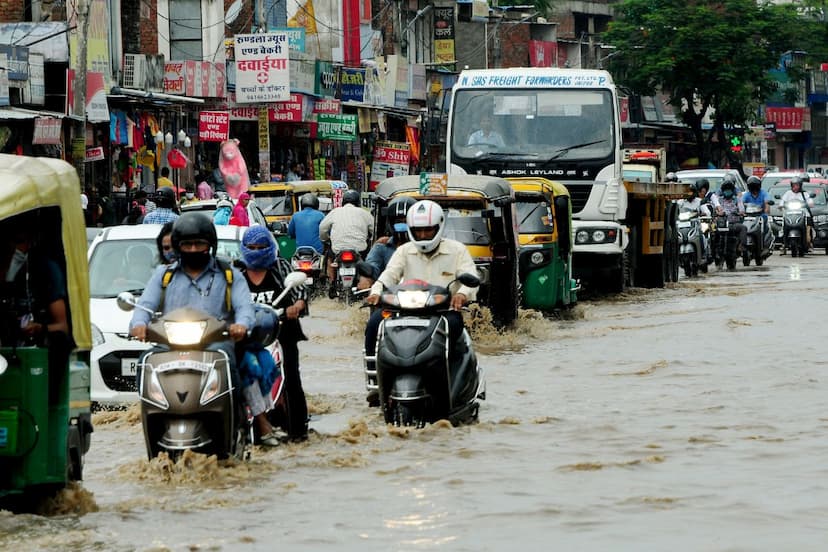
pixel 213 126
pixel 328 105
pixel 790 119
pixel 542 53
pixel 287 112
pixel 46 131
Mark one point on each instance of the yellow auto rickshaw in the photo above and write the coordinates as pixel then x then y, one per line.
pixel 45 420
pixel 480 213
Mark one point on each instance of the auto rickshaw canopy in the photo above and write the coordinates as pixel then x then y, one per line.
pixel 29 183
pixel 492 188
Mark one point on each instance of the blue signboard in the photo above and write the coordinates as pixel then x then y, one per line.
pixel 351 84
pixel 17 61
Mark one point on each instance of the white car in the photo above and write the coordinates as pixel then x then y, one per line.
pixel 208 206
pixel 122 258
pixel 714 178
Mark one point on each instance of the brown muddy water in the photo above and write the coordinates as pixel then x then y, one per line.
pixel 689 418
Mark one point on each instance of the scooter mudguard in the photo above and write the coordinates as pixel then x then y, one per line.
pixel 794 233
pixel 408 387
pixel 687 249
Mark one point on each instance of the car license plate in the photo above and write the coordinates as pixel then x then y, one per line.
pixel 129 366
pixel 684 224
pixel 308 281
pixel 347 271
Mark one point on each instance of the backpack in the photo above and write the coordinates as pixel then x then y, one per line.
pixel 228 276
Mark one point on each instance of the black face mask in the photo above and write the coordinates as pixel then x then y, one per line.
pixel 195 260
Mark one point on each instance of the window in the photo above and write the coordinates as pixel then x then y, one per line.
pixel 185 30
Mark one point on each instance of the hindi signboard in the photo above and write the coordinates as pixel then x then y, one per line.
pixel 213 126
pixel 336 127
pixel 390 159
pixel 262 68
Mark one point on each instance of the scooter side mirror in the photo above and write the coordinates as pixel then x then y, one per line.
pixel 469 280
pixel 771 202
pixel 777 196
pixel 295 279
pixel 813 195
pixel 126 301
pixel 4 365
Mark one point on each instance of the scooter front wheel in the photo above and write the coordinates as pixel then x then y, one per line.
pixel 406 414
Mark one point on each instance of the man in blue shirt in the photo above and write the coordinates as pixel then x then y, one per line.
pixel 165 203
pixel 198 282
pixel 304 225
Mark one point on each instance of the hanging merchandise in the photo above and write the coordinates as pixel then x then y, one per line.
pixel 177 159
pixel 146 157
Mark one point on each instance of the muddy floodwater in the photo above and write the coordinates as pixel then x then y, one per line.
pixel 688 418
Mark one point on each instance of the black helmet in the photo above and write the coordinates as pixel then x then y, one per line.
pixel 165 197
pixel 352 197
pixel 702 184
pixel 671 177
pixel 728 183
pixel 194 226
pixel 396 212
pixel 806 177
pixel 309 200
pixel 754 184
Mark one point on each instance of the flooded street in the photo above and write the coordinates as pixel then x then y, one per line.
pixel 689 418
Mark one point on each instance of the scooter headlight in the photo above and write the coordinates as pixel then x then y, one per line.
pixel 412 299
pixel 211 386
pixel 154 392
pixel 185 333
pixel 704 227
pixel 685 215
pixel 793 205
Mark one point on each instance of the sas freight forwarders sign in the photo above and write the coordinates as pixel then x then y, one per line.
pixel 213 126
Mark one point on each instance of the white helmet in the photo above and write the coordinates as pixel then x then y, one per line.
pixel 425 214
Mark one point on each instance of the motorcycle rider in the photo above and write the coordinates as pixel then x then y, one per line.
pixel 430 257
pixel 671 177
pixel 696 201
pixel 346 227
pixel 164 211
pixel 199 281
pixel 304 225
pixel 265 272
pixel 796 193
pixel 731 206
pixel 396 235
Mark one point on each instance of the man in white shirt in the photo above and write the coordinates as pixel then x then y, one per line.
pixel 486 136
pixel 346 227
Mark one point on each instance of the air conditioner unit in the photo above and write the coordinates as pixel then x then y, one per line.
pixel 134 74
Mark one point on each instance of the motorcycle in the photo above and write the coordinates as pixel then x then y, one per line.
pixel 344 275
pixel 417 380
pixel 759 236
pixel 308 260
pixel 794 226
pixel 727 241
pixel 186 391
pixel 692 252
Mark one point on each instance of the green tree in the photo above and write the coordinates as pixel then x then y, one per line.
pixel 702 54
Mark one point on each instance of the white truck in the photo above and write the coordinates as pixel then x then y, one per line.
pixel 565 125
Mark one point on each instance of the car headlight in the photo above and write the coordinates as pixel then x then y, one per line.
pixel 97 336
pixel 185 333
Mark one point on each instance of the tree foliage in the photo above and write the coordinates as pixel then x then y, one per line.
pixel 702 54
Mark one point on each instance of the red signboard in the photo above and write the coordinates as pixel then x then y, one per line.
pixel 287 112
pixel 46 131
pixel 94 154
pixel 788 119
pixel 542 53
pixel 213 126
pixel 328 105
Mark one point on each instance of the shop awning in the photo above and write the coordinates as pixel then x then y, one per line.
pixel 21 113
pixel 129 93
pixel 403 112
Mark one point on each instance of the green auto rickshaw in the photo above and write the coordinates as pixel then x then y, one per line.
pixel 480 213
pixel 545 261
pixel 45 330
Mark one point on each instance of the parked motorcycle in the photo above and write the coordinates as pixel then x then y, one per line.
pixel 691 252
pixel 794 226
pixel 344 275
pixel 418 381
pixel 727 241
pixel 308 260
pixel 759 236
pixel 186 391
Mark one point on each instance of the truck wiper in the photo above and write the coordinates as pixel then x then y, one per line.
pixel 563 151
pixel 496 155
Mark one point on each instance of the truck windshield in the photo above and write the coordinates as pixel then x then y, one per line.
pixel 532 124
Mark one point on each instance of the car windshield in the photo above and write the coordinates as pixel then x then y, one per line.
pixel 544 124
pixel 274 204
pixel 126 265
pixel 533 217
pixel 466 226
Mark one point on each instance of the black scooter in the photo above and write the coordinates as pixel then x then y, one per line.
pixel 759 236
pixel 726 248
pixel 418 381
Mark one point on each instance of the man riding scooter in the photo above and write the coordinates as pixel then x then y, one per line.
pixel 760 198
pixel 796 193
pixel 731 207
pixel 697 201
pixel 347 227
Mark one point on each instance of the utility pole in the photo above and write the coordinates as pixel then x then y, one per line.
pixel 79 85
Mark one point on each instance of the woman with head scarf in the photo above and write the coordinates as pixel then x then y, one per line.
pixel 265 272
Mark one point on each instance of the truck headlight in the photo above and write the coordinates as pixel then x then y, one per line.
pixel 185 333
pixel 599 236
pixel 582 236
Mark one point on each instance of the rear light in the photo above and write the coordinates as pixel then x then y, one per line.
pixel 305 265
pixel 347 256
